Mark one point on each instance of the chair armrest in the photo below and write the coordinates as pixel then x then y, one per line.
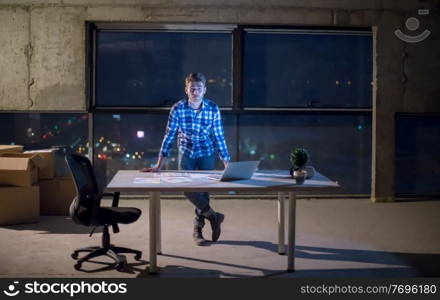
pixel 115 203
pixel 115 228
pixel 115 196
pixel 93 202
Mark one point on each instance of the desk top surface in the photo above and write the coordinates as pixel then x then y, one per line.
pixel 188 181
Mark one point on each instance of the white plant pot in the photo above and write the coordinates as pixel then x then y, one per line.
pixel 300 176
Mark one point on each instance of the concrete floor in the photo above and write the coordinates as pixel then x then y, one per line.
pixel 335 238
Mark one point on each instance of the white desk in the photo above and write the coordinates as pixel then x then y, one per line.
pixel 199 181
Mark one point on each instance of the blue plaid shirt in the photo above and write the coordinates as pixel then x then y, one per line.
pixel 200 132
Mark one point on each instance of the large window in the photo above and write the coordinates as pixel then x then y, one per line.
pixel 307 69
pixel 146 68
pixel 278 88
pixel 417 154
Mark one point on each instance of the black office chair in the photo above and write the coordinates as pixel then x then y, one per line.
pixel 86 210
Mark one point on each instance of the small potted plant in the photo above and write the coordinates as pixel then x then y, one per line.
pixel 298 158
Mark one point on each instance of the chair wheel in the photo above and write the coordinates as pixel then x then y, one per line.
pixel 138 256
pixel 74 255
pixel 77 266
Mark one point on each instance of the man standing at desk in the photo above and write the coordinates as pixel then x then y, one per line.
pixel 198 124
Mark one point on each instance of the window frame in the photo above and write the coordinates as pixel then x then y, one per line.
pixel 92 29
pixel 237 69
pixel 307 31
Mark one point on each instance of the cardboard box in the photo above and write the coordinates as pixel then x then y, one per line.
pixel 56 195
pixel 48 156
pixel 19 205
pixel 11 148
pixel 19 169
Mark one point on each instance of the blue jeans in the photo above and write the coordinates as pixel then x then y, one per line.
pixel 200 200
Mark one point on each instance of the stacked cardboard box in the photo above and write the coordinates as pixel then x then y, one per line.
pixel 20 200
pixel 29 186
pixel 11 148
pixel 19 205
pixel 46 170
pixel 56 193
pixel 20 169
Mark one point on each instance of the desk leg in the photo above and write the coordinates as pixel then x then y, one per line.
pixel 281 224
pixel 154 199
pixel 158 227
pixel 291 233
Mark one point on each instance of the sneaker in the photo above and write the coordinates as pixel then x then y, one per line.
pixel 216 219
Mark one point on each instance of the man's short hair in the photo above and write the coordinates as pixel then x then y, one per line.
pixel 195 77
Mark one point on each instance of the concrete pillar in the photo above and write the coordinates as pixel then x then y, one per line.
pixel 14 58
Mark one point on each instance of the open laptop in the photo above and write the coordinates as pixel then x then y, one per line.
pixel 237 171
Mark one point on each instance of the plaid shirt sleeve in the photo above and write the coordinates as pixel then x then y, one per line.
pixel 219 137
pixel 170 133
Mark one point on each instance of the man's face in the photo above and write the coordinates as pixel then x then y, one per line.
pixel 195 91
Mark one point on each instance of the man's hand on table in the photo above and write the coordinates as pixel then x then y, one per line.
pixel 156 167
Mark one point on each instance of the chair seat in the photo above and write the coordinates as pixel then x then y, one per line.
pixel 124 215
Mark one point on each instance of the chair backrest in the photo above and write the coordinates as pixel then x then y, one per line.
pixel 88 199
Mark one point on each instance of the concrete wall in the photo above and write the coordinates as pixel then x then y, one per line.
pixel 42 58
